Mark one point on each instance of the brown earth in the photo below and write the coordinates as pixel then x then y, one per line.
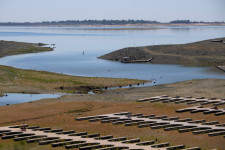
pixel 60 113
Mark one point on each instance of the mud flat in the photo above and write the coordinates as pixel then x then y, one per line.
pixel 209 52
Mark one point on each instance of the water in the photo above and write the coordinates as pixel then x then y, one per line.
pixel 15 98
pixel 71 42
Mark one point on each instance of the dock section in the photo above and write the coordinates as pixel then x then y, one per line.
pixel 221 68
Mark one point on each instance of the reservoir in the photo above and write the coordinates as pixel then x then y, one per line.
pixel 77 49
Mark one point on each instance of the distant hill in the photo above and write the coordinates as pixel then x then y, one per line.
pixel 83 22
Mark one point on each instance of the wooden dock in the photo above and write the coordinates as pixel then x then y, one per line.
pixel 221 68
pixel 67 140
pixel 136 61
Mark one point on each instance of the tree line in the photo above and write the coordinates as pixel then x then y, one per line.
pixel 99 22
pixel 85 22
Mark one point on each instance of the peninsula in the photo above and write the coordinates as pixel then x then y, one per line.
pixel 208 52
pixel 13 48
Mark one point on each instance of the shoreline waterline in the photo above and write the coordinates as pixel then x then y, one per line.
pixel 68 57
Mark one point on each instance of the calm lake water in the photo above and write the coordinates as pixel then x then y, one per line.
pixel 14 98
pixel 71 42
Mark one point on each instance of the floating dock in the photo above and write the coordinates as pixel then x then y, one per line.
pixel 221 68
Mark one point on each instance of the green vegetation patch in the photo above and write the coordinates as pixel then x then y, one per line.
pixel 20 80
pixel 13 48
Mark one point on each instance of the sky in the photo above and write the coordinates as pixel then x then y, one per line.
pixel 159 10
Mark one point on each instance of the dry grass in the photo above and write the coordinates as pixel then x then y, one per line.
pixel 58 114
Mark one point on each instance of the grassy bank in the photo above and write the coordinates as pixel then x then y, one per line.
pixel 198 53
pixel 13 48
pixel 30 81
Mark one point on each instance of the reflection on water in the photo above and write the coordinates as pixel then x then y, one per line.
pixel 71 42
pixel 15 98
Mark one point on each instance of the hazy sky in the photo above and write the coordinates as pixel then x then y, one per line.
pixel 160 10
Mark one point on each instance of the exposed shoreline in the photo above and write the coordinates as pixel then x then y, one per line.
pixel 202 53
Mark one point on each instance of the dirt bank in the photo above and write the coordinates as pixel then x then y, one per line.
pixel 198 53
pixel 60 113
